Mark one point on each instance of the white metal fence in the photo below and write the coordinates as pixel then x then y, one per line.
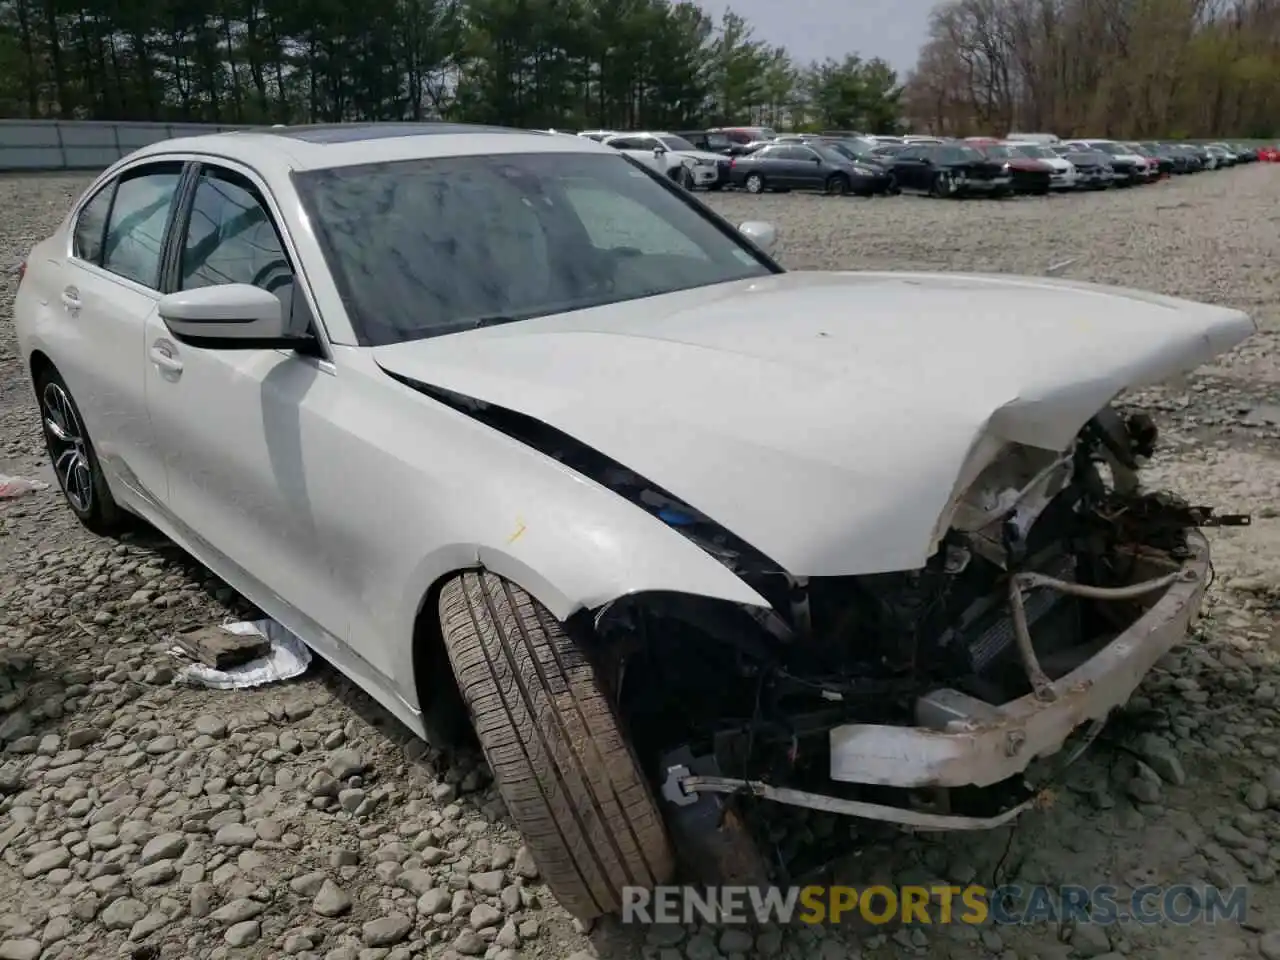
pixel 84 144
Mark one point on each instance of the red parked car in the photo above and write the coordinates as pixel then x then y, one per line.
pixel 1028 175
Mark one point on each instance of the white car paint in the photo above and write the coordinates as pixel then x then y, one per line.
pixel 841 413
pixel 829 419
pixel 703 166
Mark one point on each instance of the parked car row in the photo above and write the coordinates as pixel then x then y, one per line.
pixel 759 160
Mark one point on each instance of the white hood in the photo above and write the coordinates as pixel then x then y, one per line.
pixel 828 418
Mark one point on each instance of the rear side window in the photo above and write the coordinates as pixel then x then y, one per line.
pixel 139 218
pixel 91 225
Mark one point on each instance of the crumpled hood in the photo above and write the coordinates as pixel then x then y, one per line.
pixel 827 418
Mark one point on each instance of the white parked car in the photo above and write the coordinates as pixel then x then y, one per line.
pixel 507 427
pixel 1063 173
pixel 675 157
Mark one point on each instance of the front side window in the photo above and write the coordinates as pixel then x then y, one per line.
pixel 422 248
pixel 677 143
pixel 139 218
pixel 230 237
pixel 91 226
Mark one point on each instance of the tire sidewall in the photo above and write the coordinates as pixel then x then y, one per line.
pixel 754 183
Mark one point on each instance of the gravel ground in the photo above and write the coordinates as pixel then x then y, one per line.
pixel 142 819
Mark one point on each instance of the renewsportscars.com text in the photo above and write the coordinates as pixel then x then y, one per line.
pixel 1179 904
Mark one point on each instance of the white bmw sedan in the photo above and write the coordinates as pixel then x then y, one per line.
pixel 505 425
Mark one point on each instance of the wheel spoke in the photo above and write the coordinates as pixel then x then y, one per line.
pixel 67 447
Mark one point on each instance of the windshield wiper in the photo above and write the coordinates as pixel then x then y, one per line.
pixel 493 321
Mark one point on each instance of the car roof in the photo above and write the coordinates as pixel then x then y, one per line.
pixel 319 146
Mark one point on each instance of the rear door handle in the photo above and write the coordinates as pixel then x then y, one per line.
pixel 162 356
pixel 71 298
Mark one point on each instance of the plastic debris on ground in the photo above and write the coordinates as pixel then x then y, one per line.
pixel 13 487
pixel 287 658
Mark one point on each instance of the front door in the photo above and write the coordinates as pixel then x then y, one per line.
pixel 242 429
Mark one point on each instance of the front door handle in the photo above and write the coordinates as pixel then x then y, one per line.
pixel 71 299
pixel 165 359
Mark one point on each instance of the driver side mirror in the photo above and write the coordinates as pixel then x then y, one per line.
pixel 227 316
pixel 659 150
pixel 760 232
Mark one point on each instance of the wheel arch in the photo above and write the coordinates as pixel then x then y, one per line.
pixel 39 364
pixel 443 716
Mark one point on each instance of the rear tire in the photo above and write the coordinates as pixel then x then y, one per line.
pixel 563 766
pixel 754 183
pixel 75 464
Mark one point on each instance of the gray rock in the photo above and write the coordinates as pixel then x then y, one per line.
pixel 416 882
pixel 483 915
pixel 20 949
pixel 243 934
pixel 152 875
pixel 308 885
pixel 122 914
pixel 350 800
pixel 208 725
pixel 235 835
pixel 489 883
pixel 331 900
pixel 201 900
pixel 167 846
pixel 42 863
pixel 238 911
pixel 153 921
pixel 1143 790
pixel 734 940
pixel 1089 940
pixel 470 944
pixel 508 936
pixel 386 931
pixel 1269 945
pixel 524 865
pixel 437 900
pixel 344 764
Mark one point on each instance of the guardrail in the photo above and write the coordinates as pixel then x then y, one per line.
pixel 85 144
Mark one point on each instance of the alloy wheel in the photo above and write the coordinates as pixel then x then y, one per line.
pixel 67 447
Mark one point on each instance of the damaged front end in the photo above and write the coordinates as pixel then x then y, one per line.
pixel 929 698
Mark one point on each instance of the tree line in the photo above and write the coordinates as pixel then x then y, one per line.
pixel 1118 68
pixel 575 64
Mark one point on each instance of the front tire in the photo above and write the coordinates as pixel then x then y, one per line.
pixel 837 185
pixel 560 759
pixel 942 186
pixel 75 463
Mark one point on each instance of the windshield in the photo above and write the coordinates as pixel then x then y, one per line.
pixel 718 141
pixel 997 151
pixel 828 152
pixel 677 143
pixel 421 248
pixel 1035 152
pixel 1112 149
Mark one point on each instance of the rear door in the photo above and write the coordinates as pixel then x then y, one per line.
pixel 908 168
pixel 110 290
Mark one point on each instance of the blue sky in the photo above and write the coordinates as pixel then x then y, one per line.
pixel 893 30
